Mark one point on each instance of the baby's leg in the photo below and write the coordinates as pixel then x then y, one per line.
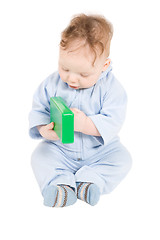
pixel 59 196
pixel 88 192
pixel 107 171
pixel 54 173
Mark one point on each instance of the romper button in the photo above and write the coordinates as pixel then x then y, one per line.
pixel 79 159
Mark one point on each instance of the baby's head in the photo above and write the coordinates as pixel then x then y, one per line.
pixel 84 50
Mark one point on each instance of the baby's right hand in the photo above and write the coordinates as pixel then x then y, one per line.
pixel 47 131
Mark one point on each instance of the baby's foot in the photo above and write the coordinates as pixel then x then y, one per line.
pixel 88 192
pixel 59 196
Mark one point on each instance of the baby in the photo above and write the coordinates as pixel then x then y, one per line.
pixel 96 162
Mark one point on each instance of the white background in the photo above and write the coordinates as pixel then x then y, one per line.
pixel 30 33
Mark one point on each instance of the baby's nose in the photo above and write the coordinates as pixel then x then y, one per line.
pixel 72 78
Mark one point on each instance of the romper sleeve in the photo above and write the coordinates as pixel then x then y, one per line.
pixel 112 113
pixel 40 113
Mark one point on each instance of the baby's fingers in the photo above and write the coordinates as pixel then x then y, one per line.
pixel 51 135
pixel 75 110
pixel 50 126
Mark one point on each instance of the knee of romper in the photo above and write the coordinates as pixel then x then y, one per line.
pixel 34 159
pixel 127 160
pixel 38 153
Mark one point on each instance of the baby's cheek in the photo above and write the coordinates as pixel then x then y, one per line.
pixel 62 76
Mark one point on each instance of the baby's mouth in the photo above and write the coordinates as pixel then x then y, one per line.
pixel 73 87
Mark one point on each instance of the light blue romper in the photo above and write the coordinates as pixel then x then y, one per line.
pixel 100 160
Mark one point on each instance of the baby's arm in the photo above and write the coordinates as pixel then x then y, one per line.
pixel 108 122
pixel 47 131
pixel 40 112
pixel 84 124
pixel 90 129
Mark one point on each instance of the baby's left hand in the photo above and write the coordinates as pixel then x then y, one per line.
pixel 79 119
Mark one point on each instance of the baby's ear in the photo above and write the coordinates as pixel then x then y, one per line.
pixel 106 65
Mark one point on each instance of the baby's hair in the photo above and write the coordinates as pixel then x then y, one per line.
pixel 94 30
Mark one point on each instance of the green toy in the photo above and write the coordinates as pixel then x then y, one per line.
pixel 63 119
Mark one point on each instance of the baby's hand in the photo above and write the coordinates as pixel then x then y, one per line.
pixel 79 119
pixel 47 132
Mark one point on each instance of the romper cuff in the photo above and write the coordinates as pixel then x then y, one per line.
pixel 33 131
pixel 107 128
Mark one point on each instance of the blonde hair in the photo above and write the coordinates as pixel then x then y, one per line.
pixel 94 30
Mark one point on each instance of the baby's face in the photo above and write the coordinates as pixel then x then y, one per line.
pixel 75 66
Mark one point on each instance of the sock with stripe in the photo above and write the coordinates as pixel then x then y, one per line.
pixel 59 196
pixel 88 192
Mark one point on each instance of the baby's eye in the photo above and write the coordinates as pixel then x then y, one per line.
pixel 84 75
pixel 66 70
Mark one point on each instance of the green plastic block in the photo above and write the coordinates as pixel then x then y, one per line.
pixel 63 119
